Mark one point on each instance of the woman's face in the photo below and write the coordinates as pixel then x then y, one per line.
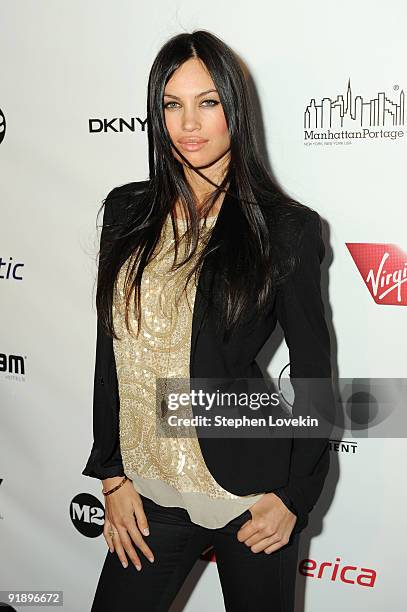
pixel 194 115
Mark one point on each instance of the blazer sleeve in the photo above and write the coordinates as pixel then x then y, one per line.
pixel 300 312
pixel 105 459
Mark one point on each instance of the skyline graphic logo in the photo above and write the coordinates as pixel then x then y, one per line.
pixel 348 116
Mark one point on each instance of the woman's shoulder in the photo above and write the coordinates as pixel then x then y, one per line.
pixel 121 197
pixel 128 190
pixel 290 220
pixel 296 231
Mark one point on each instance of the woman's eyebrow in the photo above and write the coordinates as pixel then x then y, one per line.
pixel 203 93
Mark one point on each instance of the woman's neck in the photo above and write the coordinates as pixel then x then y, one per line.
pixel 179 211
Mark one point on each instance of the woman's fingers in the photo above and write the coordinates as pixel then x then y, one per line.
pixel 258 536
pixel 248 529
pixel 106 529
pixel 120 513
pixel 269 544
pixel 140 543
pixel 142 522
pixel 136 538
pixel 142 526
pixel 123 543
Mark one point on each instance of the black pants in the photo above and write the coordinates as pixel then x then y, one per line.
pixel 251 582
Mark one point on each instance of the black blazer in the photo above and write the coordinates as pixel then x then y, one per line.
pixel 295 469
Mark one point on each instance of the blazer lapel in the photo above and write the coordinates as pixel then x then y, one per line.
pixel 225 222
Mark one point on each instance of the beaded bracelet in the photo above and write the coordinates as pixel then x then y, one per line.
pixel 115 488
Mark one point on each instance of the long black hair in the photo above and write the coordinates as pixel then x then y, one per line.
pixel 251 264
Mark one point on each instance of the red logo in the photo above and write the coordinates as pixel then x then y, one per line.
pixel 335 572
pixel 350 574
pixel 383 268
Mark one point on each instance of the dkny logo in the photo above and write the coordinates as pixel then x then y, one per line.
pixel 117 124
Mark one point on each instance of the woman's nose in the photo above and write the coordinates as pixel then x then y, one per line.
pixel 190 119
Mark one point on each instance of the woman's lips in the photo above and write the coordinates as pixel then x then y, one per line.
pixel 192 146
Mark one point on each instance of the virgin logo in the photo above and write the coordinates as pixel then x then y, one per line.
pixel 349 574
pixel 383 267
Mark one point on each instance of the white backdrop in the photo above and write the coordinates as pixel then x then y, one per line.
pixel 65 63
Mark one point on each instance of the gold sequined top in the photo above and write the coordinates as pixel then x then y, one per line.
pixel 169 470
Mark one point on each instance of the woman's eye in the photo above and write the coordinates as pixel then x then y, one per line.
pixel 213 103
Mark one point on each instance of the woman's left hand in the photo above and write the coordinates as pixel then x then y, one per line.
pixel 270 526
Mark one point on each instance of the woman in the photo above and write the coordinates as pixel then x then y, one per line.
pixel 196 266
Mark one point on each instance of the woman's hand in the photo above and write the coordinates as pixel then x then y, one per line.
pixel 120 508
pixel 270 526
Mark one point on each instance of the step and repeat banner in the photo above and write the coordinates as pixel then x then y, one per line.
pixel 329 83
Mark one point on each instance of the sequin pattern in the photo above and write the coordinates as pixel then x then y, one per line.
pixel 161 350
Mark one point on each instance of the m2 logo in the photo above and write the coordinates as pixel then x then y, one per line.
pixel 87 514
pixel 383 268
